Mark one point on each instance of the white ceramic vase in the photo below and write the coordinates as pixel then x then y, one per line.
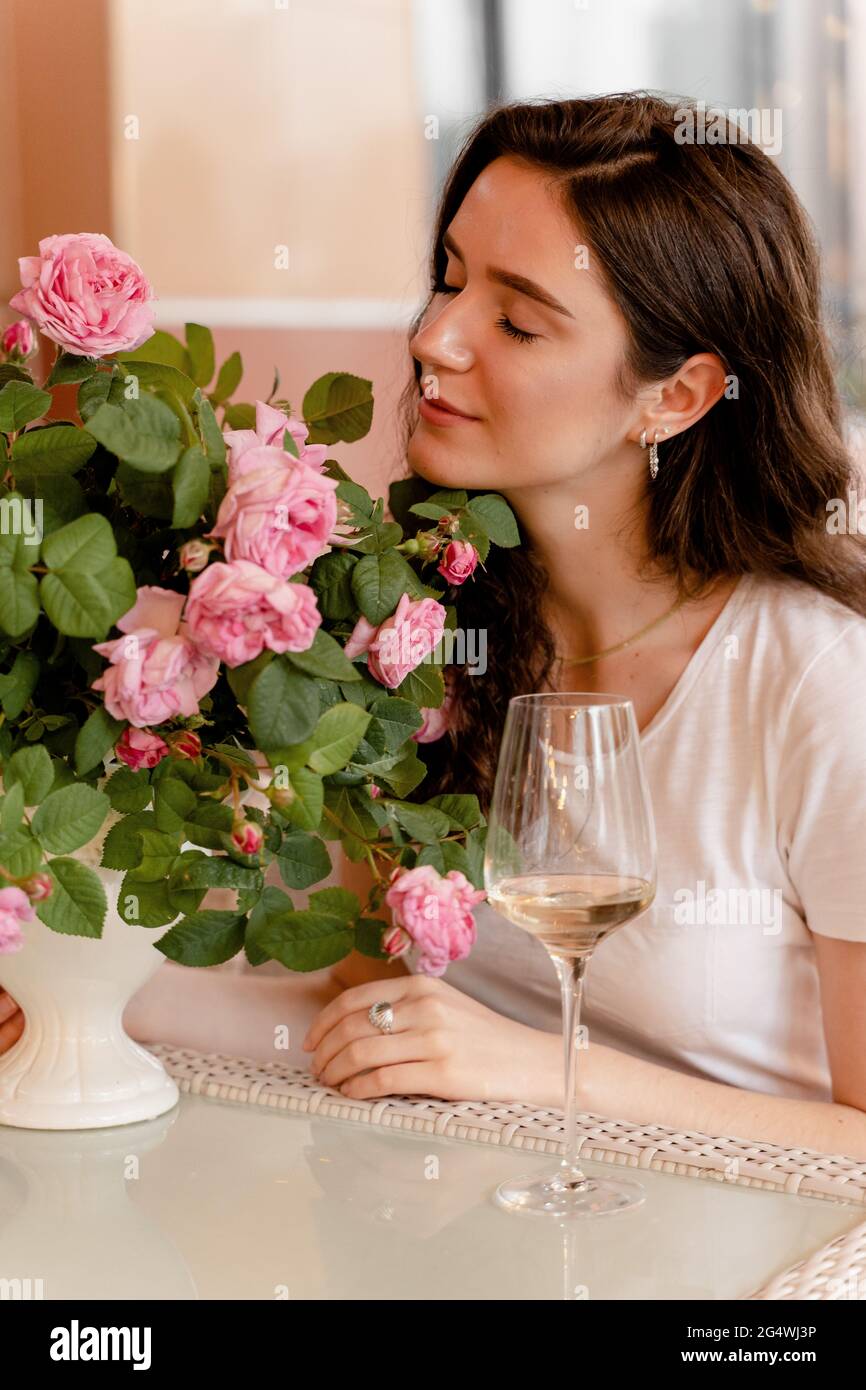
pixel 74 1067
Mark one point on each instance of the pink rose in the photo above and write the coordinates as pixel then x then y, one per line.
pixel 247 837
pixel 375 790
pixel 14 909
pixel 137 748
pixel 271 426
pixel 436 721
pixel 18 339
pixel 156 671
pixel 234 611
pixel 401 642
pixel 86 295
pixel 277 513
pixel 436 912
pixel 457 561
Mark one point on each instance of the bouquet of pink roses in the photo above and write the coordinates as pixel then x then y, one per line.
pixel 211 602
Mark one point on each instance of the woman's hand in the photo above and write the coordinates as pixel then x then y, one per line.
pixel 443 1044
pixel 11 1021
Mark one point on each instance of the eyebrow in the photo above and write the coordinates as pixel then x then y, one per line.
pixel 512 281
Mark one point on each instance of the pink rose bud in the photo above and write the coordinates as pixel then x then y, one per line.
pixel 18 340
pixel 38 887
pixel 247 837
pixel 186 744
pixel 436 721
pixel 396 941
pixel 14 909
pixel 375 790
pixel 137 748
pixel 86 295
pixel 458 561
pixel 193 555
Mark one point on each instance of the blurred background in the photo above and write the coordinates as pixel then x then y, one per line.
pixel 274 165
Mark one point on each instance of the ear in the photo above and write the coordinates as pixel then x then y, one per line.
pixel 683 398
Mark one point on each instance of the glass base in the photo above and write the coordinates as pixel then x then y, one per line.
pixel 555 1195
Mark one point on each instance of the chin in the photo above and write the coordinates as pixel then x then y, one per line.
pixel 440 465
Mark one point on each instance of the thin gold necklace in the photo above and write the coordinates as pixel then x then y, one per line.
pixel 608 651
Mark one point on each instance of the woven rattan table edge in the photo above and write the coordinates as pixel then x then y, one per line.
pixel 836 1271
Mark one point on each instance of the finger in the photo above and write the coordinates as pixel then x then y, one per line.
pixel 409 1014
pixel 404 1079
pixel 8 1006
pixel 361 997
pixel 384 1050
pixel 11 1031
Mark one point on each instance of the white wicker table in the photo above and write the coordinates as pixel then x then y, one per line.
pixel 835 1269
pixel 261 1184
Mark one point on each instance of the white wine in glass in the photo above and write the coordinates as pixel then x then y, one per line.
pixel 570 857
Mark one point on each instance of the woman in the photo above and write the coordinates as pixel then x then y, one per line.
pixel 597 283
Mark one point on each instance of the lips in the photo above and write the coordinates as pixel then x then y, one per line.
pixel 442 404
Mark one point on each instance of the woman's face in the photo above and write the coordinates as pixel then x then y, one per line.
pixel 545 408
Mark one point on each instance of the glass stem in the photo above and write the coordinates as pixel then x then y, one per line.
pixel 571 971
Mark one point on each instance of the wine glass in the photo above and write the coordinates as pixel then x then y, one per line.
pixel 570 856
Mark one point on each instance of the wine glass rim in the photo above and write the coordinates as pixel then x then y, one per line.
pixel 581 698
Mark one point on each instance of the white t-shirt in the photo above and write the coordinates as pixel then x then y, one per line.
pixel 756 766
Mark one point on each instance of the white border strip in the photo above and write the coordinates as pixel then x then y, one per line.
pixel 285 313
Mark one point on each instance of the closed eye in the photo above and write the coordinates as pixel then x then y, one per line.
pixel 503 322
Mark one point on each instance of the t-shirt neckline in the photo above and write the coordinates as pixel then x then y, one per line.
pixel 699 658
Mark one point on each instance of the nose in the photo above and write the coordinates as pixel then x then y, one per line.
pixel 441 340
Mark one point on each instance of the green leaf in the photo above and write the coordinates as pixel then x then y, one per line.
pixel 424 823
pixel 368 937
pixel 57 449
pixel 305 811
pixel 358 825
pixel 331 582
pixel 338 406
pixel 86 545
pixel 157 376
pixel 303 859
pixel 463 811
pixel 204 938
pixel 217 871
pixel 336 737
pixel 496 517
pixel 431 510
pixel 240 417
pixel 68 818
pixel 208 824
pixel 145 904
pixel 378 583
pixel 128 791
pixel 405 775
pixel 70 367
pixel 163 348
pixel 61 496
pixel 240 678
pixel 148 493
pixel 212 435
pixel 173 803
pixel 32 768
pixel 397 718
pixel 283 706
pixel 358 499
pixel 379 538
pixel 325 658
pixel 18 684
pixel 144 433
pixel 159 849
pixel 97 735
pixel 20 403
pixel 425 686
pixel 77 905
pixel 199 341
pixel 95 391
pixel 336 902
pixel 77 604
pixel 229 379
pixel 304 940
pixel 122 848
pixel 20 852
pixel 190 480
pixel 19 601
pixel 12 809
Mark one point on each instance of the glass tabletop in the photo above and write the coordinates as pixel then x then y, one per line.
pixel 220 1200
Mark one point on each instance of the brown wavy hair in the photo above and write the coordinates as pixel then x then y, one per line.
pixel 704 248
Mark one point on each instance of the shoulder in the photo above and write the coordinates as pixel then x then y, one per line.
pixel 815 644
